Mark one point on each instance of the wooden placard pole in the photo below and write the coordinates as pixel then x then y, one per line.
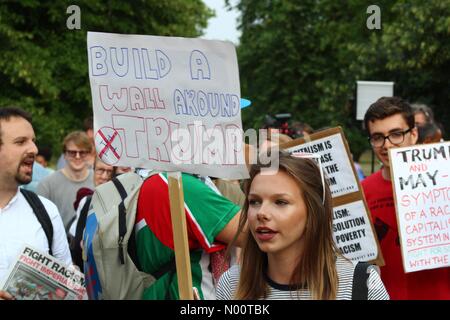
pixel 180 238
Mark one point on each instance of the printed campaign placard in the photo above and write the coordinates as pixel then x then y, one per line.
pixel 335 162
pixel 352 232
pixel 167 103
pixel 420 177
pixel 36 275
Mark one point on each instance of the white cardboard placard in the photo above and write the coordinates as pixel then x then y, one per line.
pixel 335 163
pixel 167 103
pixel 420 177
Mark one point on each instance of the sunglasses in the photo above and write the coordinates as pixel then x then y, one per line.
pixel 74 153
pixel 319 164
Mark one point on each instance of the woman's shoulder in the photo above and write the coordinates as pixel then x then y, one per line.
pixel 344 266
pixel 346 270
pixel 228 283
pixel 232 273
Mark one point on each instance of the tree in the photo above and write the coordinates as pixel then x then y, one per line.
pixel 305 57
pixel 43 64
pixel 414 51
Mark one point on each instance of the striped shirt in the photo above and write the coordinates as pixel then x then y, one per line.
pixel 229 281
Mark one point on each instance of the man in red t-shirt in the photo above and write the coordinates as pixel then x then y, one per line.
pixel 390 123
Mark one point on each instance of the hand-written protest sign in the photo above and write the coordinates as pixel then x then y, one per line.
pixel 165 103
pixel 420 178
pixel 353 231
pixel 170 104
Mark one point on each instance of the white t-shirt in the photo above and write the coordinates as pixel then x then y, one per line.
pixel 19 226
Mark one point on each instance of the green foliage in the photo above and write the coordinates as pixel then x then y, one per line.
pixel 43 65
pixel 305 57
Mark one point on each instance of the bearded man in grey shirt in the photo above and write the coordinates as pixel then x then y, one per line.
pixel 61 186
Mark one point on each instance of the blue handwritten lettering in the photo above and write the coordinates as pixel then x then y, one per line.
pixel 199 66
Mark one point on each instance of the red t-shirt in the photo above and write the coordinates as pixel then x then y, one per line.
pixel 420 285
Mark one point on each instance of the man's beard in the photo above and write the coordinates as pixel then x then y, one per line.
pixel 22 178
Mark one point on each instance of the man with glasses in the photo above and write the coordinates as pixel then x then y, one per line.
pixel 61 186
pixel 88 125
pixel 390 123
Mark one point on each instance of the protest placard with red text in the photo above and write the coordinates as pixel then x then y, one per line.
pixel 420 177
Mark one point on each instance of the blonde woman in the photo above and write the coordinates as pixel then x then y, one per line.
pixel 289 251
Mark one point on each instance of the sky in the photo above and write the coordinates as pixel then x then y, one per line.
pixel 223 25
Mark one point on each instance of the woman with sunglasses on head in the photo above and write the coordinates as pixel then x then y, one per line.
pixel 289 251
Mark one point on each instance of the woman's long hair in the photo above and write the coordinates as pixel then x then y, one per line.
pixel 316 269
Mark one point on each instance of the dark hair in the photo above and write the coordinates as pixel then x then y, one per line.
pixel 12 112
pixel 88 123
pixel 45 151
pixel 300 128
pixel 429 133
pixel 386 107
pixel 317 267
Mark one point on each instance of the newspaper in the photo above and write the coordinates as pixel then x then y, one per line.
pixel 38 276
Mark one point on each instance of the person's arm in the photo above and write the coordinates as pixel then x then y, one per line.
pixel 214 217
pixel 5 296
pixel 227 234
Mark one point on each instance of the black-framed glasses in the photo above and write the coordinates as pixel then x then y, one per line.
pixel 74 153
pixel 396 138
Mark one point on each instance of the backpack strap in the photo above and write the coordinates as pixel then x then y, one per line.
pixel 122 217
pixel 75 242
pixel 170 266
pixel 132 250
pixel 360 289
pixel 167 268
pixel 81 224
pixel 41 214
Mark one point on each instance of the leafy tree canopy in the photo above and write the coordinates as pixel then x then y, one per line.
pixel 305 57
pixel 43 64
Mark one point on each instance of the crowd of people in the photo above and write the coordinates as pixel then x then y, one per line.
pixel 272 239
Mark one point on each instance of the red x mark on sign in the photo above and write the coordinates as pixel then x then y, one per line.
pixel 108 140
